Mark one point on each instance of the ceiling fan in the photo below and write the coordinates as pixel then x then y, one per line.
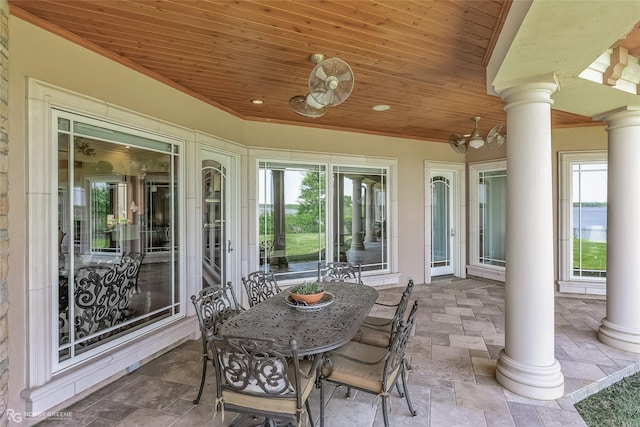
pixel 495 138
pixel 458 143
pixel 330 84
pixel 299 104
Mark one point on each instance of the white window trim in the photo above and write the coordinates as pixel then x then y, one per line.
pixel 475 268
pixel 256 155
pixel 44 389
pixel 566 281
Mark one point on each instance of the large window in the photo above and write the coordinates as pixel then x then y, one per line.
pixel 583 224
pixel 487 219
pixel 589 218
pixel 117 235
pixel 492 211
pixel 308 215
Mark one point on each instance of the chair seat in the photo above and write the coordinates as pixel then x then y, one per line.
pixel 361 375
pixel 270 403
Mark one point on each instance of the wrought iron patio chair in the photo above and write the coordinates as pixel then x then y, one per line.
pixel 102 295
pixel 214 305
pixel 132 259
pixel 369 368
pixel 260 285
pixel 338 271
pixel 379 331
pixel 255 377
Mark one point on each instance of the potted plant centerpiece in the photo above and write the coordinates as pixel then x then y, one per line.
pixel 309 292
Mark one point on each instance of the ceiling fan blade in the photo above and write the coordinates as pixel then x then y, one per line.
pixel 313 102
pixel 320 73
pixel 345 76
pixel 323 97
pixel 300 106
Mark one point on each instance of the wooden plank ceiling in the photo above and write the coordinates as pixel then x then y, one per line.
pixel 425 59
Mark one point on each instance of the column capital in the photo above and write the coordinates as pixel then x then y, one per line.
pixel 532 92
pixel 546 83
pixel 620 117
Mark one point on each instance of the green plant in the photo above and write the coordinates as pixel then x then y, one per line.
pixel 306 288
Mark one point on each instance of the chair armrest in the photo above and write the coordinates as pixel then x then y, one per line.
pixel 378 327
pixel 352 352
pixel 386 305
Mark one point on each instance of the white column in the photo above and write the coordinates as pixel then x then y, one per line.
pixel 370 212
pixel 356 219
pixel 527 365
pixel 621 327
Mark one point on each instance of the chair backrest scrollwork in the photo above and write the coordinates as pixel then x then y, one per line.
pixel 260 285
pixel 255 366
pixel 214 305
pixel 339 271
pixel 102 296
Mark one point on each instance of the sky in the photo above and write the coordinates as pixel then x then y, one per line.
pixel 592 185
pixel 292 182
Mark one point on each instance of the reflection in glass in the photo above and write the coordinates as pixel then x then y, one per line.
pixel 360 216
pixel 440 222
pixel 589 219
pixel 214 231
pixel 294 231
pixel 117 217
pixel 492 193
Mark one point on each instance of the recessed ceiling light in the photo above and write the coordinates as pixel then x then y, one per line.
pixel 381 107
pixel 257 101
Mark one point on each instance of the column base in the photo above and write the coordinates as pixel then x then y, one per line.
pixel 627 339
pixel 536 382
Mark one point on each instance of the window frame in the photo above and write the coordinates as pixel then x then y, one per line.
pixel 257 155
pixel 567 282
pixel 41 246
pixel 173 148
pixel 476 268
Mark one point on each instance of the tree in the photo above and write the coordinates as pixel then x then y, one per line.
pixel 311 206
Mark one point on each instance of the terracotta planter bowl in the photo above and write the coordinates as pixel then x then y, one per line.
pixel 308 299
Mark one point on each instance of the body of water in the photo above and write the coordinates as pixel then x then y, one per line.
pixel 590 223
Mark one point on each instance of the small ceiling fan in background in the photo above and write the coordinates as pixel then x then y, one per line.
pixel 458 143
pixel 495 138
pixel 330 84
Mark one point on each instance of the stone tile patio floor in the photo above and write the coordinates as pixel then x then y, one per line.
pixel 459 334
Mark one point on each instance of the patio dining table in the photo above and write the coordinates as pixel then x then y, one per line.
pixel 316 330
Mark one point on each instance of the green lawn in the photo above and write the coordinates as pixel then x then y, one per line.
pixel 616 406
pixel 594 255
pixel 301 245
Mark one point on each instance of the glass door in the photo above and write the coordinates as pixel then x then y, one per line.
pixel 216 244
pixel 442 232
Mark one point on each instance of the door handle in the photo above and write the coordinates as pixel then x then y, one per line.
pixel 229 248
pixel 452 233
